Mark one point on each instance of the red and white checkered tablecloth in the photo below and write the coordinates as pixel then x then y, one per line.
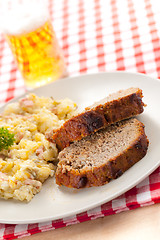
pixel 96 35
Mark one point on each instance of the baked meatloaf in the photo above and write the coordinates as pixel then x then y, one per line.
pixel 102 156
pixel 116 107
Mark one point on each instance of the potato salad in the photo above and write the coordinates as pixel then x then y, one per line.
pixel 30 160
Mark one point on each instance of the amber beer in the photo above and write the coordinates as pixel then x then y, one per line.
pixel 37 53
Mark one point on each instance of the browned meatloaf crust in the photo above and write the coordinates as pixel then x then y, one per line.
pixel 102 156
pixel 114 108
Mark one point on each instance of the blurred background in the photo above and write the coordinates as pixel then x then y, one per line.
pixel 96 35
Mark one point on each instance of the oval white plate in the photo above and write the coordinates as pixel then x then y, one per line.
pixel 55 202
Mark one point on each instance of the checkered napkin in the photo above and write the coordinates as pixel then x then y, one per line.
pixel 96 35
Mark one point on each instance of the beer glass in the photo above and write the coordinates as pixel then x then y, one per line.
pixel 28 30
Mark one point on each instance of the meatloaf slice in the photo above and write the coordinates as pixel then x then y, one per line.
pixel 102 156
pixel 116 107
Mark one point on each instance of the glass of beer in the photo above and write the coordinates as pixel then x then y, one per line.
pixel 29 32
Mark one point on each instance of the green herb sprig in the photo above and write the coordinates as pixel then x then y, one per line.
pixel 6 138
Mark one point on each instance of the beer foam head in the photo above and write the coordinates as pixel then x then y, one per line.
pixel 24 18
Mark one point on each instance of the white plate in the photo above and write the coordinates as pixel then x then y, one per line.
pixel 55 202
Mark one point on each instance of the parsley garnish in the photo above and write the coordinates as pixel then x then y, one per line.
pixel 6 139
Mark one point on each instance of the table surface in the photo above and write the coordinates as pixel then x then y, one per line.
pixel 100 35
pixel 140 224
